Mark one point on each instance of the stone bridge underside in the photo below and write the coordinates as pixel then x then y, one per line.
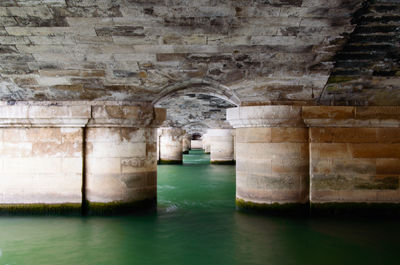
pixel 262 51
pixel 316 82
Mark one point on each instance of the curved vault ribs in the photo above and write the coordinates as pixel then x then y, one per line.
pixel 194 124
pixel 209 87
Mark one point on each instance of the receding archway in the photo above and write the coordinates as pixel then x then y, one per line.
pixel 204 86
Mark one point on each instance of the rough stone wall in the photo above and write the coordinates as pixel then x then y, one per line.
pixel 367 69
pixel 262 51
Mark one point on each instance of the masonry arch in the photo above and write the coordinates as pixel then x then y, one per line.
pixel 198 85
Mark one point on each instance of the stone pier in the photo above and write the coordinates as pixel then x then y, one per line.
pixel 170 145
pixel 221 146
pixel 354 159
pixel 271 157
pixel 340 159
pixel 58 158
pixel 186 143
pixel 206 143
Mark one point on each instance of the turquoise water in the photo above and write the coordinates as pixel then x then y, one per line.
pixel 197 223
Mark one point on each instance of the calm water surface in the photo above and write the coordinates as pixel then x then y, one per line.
pixel 196 223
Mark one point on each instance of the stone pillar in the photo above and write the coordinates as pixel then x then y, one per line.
pixel 272 158
pixel 354 159
pixel 57 158
pixel 121 158
pixel 186 143
pixel 196 144
pixel 41 158
pixel 171 145
pixel 206 143
pixel 221 146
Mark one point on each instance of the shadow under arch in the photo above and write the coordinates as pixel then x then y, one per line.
pixel 203 86
pixel 199 124
pixel 196 124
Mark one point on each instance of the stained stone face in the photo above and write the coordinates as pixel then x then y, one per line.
pixel 260 51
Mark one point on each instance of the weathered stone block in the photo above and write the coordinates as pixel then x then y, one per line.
pixel 329 151
pixel 375 150
pixel 103 165
pixel 289 135
pixel 381 112
pixel 118 150
pixel 343 135
pixel 16 149
pixel 324 112
pixel 256 135
pixel 295 167
pixel 388 135
pixel 388 166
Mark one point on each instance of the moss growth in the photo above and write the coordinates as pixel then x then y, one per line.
pixel 169 162
pixel 231 162
pixel 339 79
pixel 355 209
pixel 273 208
pixel 122 208
pixel 386 183
pixel 41 209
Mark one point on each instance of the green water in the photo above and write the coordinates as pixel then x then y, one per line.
pixel 196 223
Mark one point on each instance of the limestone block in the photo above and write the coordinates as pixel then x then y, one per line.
pixel 388 135
pixel 343 135
pixel 253 135
pixel 319 112
pixel 376 150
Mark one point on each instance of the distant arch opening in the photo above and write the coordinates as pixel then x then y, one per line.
pixel 201 86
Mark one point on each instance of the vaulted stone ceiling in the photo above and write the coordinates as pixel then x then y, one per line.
pixel 251 51
pixel 195 112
